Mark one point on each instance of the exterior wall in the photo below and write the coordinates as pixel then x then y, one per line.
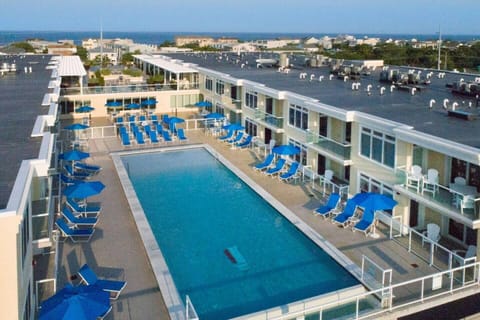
pixel 438 161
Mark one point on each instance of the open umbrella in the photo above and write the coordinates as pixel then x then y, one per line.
pixel 149 102
pixel 113 104
pixel 84 109
pixel 286 150
pixel 74 155
pixel 76 303
pixel 214 115
pixel 84 190
pixel 233 126
pixel 375 201
pixel 173 121
pixel 203 104
pixel 76 126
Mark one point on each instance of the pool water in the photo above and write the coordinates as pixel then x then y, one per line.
pixel 225 246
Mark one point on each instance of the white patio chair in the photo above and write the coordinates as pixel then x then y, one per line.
pixel 414 178
pixel 430 182
pixel 468 254
pixel 467 202
pixel 432 234
pixel 460 180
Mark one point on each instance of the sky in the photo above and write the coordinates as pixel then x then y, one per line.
pixel 282 16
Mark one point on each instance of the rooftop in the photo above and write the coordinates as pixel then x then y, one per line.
pixel 399 105
pixel 20 103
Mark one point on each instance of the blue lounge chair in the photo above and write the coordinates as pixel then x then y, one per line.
pixel 166 136
pixel 78 221
pixel 332 204
pixel 165 119
pixel 237 138
pixel 119 120
pixel 147 130
pixel 125 140
pixel 139 137
pixel 266 163
pixel 229 135
pixel 142 118
pixel 76 235
pixel 344 217
pixel 181 134
pixel 122 130
pixel 159 129
pixel 292 172
pixel 86 210
pixel 245 143
pixel 68 181
pixel 366 223
pixel 131 119
pixel 70 172
pixel 154 119
pixel 90 278
pixel 89 168
pixel 154 137
pixel 279 165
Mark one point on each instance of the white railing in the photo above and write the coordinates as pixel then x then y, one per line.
pixel 190 313
pixel 420 290
pixel 370 276
pixel 43 283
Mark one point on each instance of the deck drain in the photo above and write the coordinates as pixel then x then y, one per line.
pixel 414 265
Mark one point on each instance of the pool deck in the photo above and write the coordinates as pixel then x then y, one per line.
pixel 116 250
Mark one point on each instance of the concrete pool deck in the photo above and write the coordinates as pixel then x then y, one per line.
pixel 117 252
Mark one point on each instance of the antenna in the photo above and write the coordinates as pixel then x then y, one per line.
pixel 101 44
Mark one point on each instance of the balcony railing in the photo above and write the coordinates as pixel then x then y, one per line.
pixel 269 118
pixel 340 149
pixel 444 196
pixel 127 88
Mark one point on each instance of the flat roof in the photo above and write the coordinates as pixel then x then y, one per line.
pixel 166 64
pixel 71 66
pixel 21 96
pixel 399 106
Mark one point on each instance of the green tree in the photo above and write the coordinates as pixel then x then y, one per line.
pixel 82 53
pixel 24 45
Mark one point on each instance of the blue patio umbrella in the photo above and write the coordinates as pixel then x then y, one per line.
pixel 149 102
pixel 76 303
pixel 84 190
pixel 84 109
pixel 233 126
pixel 74 155
pixel 113 104
pixel 172 122
pixel 203 104
pixel 286 150
pixel 215 116
pixel 76 126
pixel 132 106
pixel 375 201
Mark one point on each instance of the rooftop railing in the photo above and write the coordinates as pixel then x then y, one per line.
pixel 340 149
pixel 127 88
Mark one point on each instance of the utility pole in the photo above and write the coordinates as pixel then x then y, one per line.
pixel 439 47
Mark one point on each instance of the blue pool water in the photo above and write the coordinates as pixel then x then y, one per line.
pixel 197 208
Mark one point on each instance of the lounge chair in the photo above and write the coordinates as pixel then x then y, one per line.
pixel 122 130
pixel 266 163
pixel 229 135
pixel 165 119
pixel 154 137
pixel 125 140
pixel 166 136
pixel 366 223
pixel 292 172
pixel 86 210
pixel 139 137
pixel 245 143
pixel 235 139
pixel 332 204
pixel 68 181
pixel 78 221
pixel 142 118
pixel 181 134
pixel 76 235
pixel 159 129
pixel 70 172
pixel 90 278
pixel 154 119
pixel 344 217
pixel 89 168
pixel 279 166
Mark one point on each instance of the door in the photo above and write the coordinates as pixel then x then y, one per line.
pixel 413 214
pixel 321 160
pixel 268 135
pixel 269 106
pixel 323 126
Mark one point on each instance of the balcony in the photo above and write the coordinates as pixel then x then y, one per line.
pixel 269 120
pixel 237 103
pixel 127 88
pixel 449 200
pixel 323 144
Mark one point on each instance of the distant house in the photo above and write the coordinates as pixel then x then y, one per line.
pixel 310 40
pixel 110 54
pixel 199 40
pixel 65 49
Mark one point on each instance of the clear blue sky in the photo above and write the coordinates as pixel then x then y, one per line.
pixel 308 16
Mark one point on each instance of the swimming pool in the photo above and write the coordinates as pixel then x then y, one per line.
pixel 225 246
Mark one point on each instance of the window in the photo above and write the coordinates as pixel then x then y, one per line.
pixel 219 87
pixel 208 84
pixel 251 127
pixel 25 232
pixel 298 117
pixel 302 156
pixel 220 109
pixel 469 171
pixel 461 232
pixel 251 99
pixel 378 147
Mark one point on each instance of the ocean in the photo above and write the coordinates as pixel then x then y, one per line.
pixel 7 37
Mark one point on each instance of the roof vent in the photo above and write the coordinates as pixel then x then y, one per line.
pixel 460 114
